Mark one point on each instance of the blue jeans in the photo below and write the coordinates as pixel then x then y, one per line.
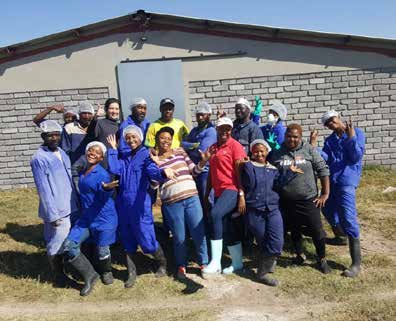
pixel 223 207
pixel 71 248
pixel 178 214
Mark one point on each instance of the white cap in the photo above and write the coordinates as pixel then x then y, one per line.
pixel 96 143
pixel 260 141
pixel 243 101
pixel 224 121
pixel 85 107
pixel 137 102
pixel 327 115
pixel 133 129
pixel 204 108
pixel 49 126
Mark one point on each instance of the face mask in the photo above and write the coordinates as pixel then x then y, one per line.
pixel 272 119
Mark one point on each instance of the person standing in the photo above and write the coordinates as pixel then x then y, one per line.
pixel 199 140
pixel 167 108
pixel 299 198
pixel 75 139
pixel 181 206
pixel 274 130
pixel 261 181
pixel 58 199
pixel 226 156
pixel 138 118
pixel 109 125
pixel 133 202
pixel 244 130
pixel 343 151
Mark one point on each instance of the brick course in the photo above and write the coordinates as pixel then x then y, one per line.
pixel 19 137
pixel 368 97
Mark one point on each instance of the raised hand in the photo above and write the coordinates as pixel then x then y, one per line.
pixel 60 108
pixel 111 185
pixel 313 137
pixel 349 129
pixel 111 139
pixel 220 112
pixel 100 112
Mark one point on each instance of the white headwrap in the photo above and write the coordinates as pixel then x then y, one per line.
pixel 133 129
pixel 137 102
pixel 259 141
pixel 95 143
pixel 327 115
pixel 243 101
pixel 49 126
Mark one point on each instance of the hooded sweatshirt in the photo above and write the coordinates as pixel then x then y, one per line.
pixel 301 186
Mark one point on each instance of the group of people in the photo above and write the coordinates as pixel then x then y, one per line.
pixel 227 183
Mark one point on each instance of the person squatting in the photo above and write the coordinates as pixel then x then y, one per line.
pixel 98 179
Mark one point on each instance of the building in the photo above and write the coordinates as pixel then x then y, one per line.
pixel 155 55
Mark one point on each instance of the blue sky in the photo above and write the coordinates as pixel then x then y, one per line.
pixel 27 19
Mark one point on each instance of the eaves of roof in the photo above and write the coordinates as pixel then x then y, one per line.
pixel 141 21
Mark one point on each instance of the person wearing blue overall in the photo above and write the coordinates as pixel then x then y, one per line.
pixel 133 202
pixel 200 139
pixel 274 131
pixel 343 152
pixel 138 118
pixel 264 218
pixel 58 198
pixel 98 220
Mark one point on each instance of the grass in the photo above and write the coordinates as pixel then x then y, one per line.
pixel 24 274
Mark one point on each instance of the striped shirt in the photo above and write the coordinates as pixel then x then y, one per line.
pixel 183 186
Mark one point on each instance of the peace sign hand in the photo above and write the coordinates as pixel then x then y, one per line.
pixel 349 129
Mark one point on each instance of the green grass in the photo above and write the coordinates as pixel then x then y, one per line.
pixel 24 273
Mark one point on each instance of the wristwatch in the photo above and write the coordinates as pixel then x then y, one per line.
pixel 241 193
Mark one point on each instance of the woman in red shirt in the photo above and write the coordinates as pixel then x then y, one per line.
pixel 225 158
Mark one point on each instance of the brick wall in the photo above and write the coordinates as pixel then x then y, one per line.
pixel 368 97
pixel 19 137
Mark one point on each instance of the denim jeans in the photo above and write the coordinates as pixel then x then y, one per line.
pixel 222 210
pixel 178 215
pixel 71 248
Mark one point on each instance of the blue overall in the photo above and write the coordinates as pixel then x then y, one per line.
pixel 262 203
pixel 58 198
pixel 206 137
pixel 123 147
pixel 98 220
pixel 246 133
pixel 133 202
pixel 279 130
pixel 344 157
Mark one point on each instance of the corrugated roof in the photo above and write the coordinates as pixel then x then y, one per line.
pixel 149 21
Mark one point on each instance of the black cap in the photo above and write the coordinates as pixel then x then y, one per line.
pixel 167 101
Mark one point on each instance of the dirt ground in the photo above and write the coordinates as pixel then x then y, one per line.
pixel 304 293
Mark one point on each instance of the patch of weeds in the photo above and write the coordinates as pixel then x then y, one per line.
pixel 370 310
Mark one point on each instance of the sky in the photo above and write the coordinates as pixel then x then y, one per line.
pixel 24 20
